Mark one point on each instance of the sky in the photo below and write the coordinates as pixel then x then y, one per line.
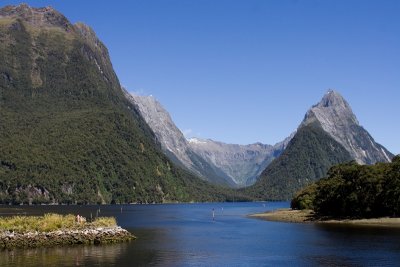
pixel 247 71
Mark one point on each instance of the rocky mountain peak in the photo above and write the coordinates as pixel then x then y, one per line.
pixel 336 117
pixel 332 110
pixel 43 17
pixel 333 99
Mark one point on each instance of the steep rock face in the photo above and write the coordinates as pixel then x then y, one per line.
pixel 242 163
pixel 329 134
pixel 172 141
pixel 67 132
pixel 336 118
pixel 159 120
pixel 217 162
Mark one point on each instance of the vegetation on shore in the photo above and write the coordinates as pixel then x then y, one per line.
pixel 354 191
pixel 51 222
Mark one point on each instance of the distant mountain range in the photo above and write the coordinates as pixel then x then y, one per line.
pixel 241 163
pixel 227 164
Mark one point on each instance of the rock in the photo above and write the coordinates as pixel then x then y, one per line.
pixel 66 237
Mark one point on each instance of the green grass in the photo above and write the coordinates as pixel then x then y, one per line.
pixel 50 222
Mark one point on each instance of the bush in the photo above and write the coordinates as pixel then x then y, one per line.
pixel 352 190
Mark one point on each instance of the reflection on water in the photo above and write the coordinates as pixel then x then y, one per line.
pixel 64 256
pixel 186 234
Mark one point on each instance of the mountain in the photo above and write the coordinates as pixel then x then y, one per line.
pixel 336 118
pixel 172 141
pixel 242 163
pixel 329 134
pixel 67 132
pixel 217 162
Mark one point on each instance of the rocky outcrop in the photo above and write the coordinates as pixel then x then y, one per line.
pixel 88 236
pixel 336 117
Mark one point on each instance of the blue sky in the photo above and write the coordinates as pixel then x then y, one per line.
pixel 247 71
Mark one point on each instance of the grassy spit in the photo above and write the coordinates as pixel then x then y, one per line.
pixel 51 222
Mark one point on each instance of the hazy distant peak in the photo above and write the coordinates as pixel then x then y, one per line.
pixel 242 163
pixel 195 140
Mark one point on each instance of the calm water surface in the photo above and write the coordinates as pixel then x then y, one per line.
pixel 187 235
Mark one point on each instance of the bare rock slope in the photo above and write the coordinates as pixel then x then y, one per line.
pixel 337 119
pixel 217 162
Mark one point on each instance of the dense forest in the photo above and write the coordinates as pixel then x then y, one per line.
pixel 67 132
pixel 357 191
pixel 307 158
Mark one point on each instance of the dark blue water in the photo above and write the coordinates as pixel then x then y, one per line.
pixel 187 235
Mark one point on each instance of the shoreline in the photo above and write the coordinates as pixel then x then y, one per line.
pixel 308 216
pixel 86 236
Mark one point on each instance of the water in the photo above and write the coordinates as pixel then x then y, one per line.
pixel 187 235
